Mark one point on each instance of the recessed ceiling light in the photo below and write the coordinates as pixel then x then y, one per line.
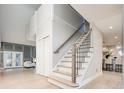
pixel 110 27
pixel 116 37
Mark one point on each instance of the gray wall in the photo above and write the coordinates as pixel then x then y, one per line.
pixel 65 12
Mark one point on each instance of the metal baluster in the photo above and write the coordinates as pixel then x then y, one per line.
pixel 77 61
pixel 74 64
pixel 82 58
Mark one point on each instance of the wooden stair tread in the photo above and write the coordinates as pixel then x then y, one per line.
pixel 65 73
pixel 86 47
pixel 85 51
pixel 71 61
pixel 77 56
pixel 83 56
pixel 67 67
pixel 64 81
pixel 65 61
pixel 60 72
pixel 84 44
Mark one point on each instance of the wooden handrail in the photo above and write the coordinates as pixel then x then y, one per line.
pixel 57 50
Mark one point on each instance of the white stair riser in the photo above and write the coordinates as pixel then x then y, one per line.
pixel 69 64
pixel 85 49
pixel 67 59
pixel 62 69
pixel 66 64
pixel 68 54
pixel 70 60
pixel 62 75
pixel 84 54
pixel 61 85
pixel 68 70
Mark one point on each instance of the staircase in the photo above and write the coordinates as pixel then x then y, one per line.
pixel 72 67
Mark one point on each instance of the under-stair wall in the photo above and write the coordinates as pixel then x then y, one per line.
pixel 95 68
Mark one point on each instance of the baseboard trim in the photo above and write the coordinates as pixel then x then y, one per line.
pixel 89 79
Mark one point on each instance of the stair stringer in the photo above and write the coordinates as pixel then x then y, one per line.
pixel 80 80
pixel 62 59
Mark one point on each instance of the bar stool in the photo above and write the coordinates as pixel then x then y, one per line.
pixel 109 67
pixel 118 67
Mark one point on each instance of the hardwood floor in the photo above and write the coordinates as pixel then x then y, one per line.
pixel 109 80
pixel 27 79
pixel 23 79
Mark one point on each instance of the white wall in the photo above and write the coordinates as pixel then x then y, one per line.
pixel 13 18
pixel 32 28
pixel 95 68
pixel 44 39
pixel 66 22
pixel 16 35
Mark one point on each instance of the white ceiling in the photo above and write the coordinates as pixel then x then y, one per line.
pixel 14 16
pixel 104 16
